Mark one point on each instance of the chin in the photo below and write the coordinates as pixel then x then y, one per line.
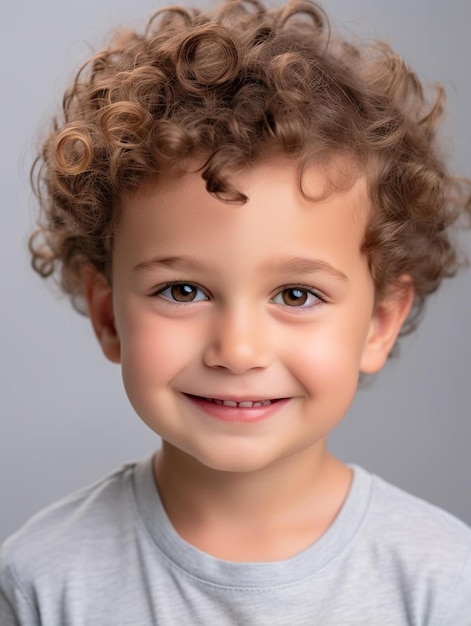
pixel 233 461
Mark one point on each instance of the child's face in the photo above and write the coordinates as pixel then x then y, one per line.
pixel 271 300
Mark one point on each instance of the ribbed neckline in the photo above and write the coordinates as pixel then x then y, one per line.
pixel 266 575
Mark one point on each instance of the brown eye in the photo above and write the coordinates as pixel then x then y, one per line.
pixel 182 292
pixel 294 296
pixel 298 297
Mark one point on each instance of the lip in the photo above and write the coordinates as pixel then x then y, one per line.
pixel 237 414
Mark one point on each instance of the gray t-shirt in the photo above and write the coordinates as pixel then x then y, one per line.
pixel 108 556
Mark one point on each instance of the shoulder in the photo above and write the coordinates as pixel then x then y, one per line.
pixel 408 517
pixel 420 548
pixel 79 525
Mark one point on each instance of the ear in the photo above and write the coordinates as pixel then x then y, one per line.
pixel 388 317
pixel 99 298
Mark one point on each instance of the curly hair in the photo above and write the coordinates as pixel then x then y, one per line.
pixel 234 85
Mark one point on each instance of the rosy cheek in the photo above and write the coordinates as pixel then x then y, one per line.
pixel 155 348
pixel 324 358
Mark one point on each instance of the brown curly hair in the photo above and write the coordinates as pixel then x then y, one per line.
pixel 234 85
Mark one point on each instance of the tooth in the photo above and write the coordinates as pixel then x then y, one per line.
pixel 245 405
pixel 229 403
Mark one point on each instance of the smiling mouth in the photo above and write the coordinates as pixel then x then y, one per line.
pixel 246 404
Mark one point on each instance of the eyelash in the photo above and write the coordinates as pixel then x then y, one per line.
pixel 309 291
pixel 320 299
pixel 179 283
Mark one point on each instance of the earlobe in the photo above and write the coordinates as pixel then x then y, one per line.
pixel 99 298
pixel 387 320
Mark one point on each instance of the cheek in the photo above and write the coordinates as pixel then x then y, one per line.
pixel 327 359
pixel 154 349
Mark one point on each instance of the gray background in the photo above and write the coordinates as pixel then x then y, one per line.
pixel 64 417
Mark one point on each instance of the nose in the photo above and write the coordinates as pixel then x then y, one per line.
pixel 238 341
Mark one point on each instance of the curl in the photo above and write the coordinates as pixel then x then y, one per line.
pixel 72 150
pixel 309 9
pixel 124 124
pixel 166 17
pixel 208 56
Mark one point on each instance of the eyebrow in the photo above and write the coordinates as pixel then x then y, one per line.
pixel 301 265
pixel 173 262
pixel 295 265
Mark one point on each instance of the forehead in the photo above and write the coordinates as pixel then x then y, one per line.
pixel 336 173
pixel 323 208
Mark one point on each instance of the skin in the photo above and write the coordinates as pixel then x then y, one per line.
pixel 245 322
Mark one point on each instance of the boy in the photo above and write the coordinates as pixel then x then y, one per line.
pixel 250 213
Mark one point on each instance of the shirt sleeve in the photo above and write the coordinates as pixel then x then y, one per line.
pixel 15 607
pixel 458 610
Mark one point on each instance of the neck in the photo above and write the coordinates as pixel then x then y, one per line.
pixel 288 504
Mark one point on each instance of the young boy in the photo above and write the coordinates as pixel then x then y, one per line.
pixel 250 212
